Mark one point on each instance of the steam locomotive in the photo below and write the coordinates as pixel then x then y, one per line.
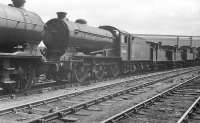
pixel 20 33
pixel 96 53
pixel 74 52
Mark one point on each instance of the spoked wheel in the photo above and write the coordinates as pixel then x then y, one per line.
pixel 63 76
pixel 99 72
pixel 82 73
pixel 142 67
pixel 134 68
pixel 124 69
pixel 115 70
pixel 24 77
pixel 148 67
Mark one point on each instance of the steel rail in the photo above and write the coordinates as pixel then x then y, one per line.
pixel 76 108
pixel 190 110
pixel 126 80
pixel 145 103
pixel 146 75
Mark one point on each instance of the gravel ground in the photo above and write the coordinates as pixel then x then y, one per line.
pixel 124 102
pixel 108 108
pixel 46 94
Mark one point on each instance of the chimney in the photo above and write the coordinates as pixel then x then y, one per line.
pixel 61 15
pixel 18 3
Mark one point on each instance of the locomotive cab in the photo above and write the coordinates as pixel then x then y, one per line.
pixel 124 46
pixel 187 53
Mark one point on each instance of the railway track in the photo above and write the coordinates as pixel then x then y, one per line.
pixel 5 96
pixel 61 107
pixel 53 88
pixel 192 113
pixel 168 106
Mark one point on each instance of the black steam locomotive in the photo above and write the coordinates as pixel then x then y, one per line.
pixel 20 33
pixel 74 52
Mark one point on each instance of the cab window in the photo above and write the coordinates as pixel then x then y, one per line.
pixel 122 39
pixel 126 39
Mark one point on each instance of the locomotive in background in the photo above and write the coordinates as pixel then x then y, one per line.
pixel 92 53
pixel 75 52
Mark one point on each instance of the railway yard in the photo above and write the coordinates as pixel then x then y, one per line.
pixel 64 71
pixel 101 102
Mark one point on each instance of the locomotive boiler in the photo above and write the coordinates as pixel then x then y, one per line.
pixel 61 34
pixel 18 26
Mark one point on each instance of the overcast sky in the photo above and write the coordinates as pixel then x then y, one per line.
pixel 136 16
